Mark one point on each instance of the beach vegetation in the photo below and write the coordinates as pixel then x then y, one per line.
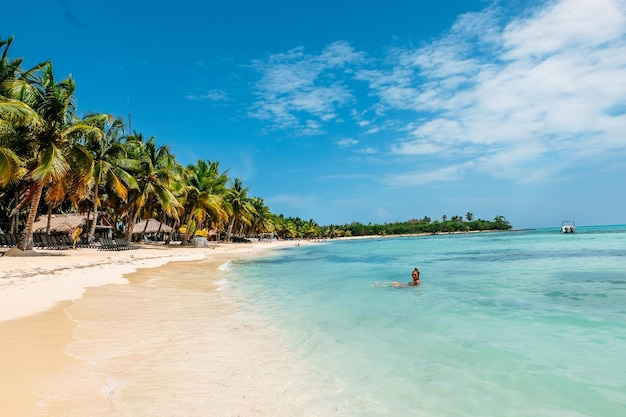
pixel 54 162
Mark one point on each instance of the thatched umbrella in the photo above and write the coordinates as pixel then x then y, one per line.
pixel 154 226
pixel 60 223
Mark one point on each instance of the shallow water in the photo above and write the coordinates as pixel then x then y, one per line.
pixel 518 324
pixel 173 344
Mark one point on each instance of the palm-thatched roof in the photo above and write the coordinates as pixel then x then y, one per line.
pixel 60 223
pixel 63 223
pixel 154 226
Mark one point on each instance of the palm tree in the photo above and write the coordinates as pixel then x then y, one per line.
pixel 218 214
pixel 104 143
pixel 240 206
pixel 469 216
pixel 261 218
pixel 203 194
pixel 50 136
pixel 154 169
pixel 14 116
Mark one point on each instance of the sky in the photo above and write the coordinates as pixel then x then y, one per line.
pixel 368 111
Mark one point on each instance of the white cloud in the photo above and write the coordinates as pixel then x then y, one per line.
pixel 347 142
pixel 413 178
pixel 368 151
pixel 515 97
pixel 296 86
pixel 212 95
pixel 567 24
pixel 519 100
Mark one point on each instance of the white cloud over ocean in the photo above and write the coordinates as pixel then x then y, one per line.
pixel 521 98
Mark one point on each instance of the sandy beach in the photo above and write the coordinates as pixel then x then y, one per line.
pixel 37 292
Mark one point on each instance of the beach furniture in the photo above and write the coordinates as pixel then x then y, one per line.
pixel 54 242
pixel 124 244
pixel 38 240
pixel 107 244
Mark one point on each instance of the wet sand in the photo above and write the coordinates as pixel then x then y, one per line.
pixel 37 297
pixel 31 347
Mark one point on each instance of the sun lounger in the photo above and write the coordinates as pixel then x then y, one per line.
pixel 55 242
pixel 124 244
pixel 107 244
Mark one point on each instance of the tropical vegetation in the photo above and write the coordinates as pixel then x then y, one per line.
pixel 54 161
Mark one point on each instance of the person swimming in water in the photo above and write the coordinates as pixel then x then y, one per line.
pixel 414 283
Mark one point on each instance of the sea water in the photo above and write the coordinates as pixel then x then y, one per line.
pixel 524 323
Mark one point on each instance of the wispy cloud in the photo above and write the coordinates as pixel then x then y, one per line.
pixel 211 95
pixel 413 178
pixel 347 142
pixel 521 97
pixel 296 86
pixel 516 98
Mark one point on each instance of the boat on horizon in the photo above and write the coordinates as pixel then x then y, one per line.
pixel 568 226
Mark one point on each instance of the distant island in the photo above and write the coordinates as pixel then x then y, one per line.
pixel 94 177
pixel 287 228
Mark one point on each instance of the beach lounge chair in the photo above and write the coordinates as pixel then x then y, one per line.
pixel 38 240
pixel 56 242
pixel 13 239
pixel 107 244
pixel 124 244
pixel 46 241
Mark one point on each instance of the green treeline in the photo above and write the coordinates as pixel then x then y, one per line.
pixel 298 228
pixel 55 161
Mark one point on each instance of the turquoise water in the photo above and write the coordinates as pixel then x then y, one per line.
pixel 527 323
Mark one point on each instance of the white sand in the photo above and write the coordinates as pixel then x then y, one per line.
pixel 33 284
pixel 35 329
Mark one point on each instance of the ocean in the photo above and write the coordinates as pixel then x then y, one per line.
pixel 522 323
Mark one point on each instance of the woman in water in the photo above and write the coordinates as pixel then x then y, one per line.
pixel 416 280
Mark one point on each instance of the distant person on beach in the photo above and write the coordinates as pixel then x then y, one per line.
pixel 414 283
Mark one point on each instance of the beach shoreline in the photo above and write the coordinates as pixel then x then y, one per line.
pixel 35 292
pixel 33 284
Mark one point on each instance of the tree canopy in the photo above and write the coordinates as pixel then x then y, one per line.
pixel 54 161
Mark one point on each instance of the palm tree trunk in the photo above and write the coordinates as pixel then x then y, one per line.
pixel 92 230
pixel 131 224
pixel 143 232
pixel 187 229
pixel 230 230
pixel 49 222
pixel 15 217
pixel 27 237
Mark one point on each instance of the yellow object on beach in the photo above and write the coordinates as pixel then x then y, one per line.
pixel 76 235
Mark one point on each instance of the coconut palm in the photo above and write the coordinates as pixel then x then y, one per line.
pixel 261 217
pixel 218 214
pixel 49 137
pixel 14 114
pixel 109 154
pixel 154 169
pixel 203 194
pixel 240 206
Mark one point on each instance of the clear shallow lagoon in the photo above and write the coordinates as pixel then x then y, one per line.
pixel 528 323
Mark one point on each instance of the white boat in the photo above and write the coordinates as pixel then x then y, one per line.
pixel 568 226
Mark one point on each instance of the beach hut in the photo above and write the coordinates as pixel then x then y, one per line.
pixel 153 228
pixel 60 223
pixel 66 223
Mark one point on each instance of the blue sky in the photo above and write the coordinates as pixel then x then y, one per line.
pixel 370 111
